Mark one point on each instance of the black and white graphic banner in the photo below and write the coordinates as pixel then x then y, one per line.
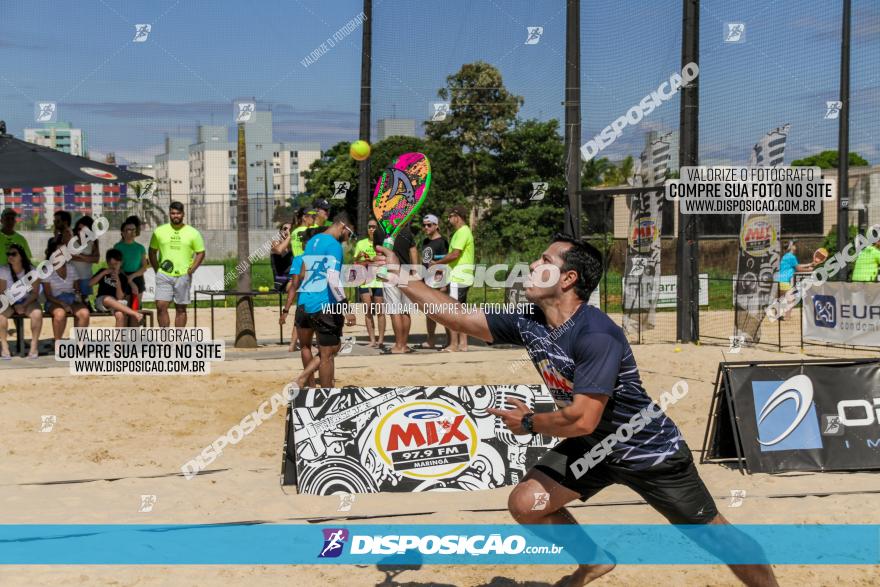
pixel 406 439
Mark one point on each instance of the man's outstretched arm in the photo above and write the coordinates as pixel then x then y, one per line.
pixel 439 306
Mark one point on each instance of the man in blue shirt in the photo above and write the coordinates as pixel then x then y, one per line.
pixel 321 302
pixel 588 366
pixel 788 265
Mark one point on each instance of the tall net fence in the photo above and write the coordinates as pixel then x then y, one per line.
pixel 479 87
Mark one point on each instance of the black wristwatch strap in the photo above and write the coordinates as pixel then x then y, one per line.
pixel 528 424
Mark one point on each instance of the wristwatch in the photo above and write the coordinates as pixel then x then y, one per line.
pixel 528 423
pixel 285 311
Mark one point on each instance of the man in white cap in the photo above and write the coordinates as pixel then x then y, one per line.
pixel 434 247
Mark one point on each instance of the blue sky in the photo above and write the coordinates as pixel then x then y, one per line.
pixel 201 55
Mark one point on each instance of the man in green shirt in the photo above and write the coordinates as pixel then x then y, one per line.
pixel 8 236
pixel 176 251
pixel 461 262
pixel 867 264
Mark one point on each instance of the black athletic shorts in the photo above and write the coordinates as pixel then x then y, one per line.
pixel 327 325
pixel 673 487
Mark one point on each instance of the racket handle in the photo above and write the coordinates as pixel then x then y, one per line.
pixel 382 273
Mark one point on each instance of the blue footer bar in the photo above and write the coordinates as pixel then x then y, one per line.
pixel 414 544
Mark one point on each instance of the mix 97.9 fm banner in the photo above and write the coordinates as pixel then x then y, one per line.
pixel 407 439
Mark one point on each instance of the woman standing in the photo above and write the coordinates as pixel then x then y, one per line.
pixel 371 293
pixel 83 262
pixel 25 304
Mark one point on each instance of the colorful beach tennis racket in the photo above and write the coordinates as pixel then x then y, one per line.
pixel 399 194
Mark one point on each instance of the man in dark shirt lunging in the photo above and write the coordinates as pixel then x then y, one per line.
pixel 588 366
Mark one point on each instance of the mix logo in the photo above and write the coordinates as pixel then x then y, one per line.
pixel 426 439
pixel 825 311
pixel 334 541
pixel 787 417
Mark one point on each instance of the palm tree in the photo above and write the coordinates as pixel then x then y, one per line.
pixel 593 172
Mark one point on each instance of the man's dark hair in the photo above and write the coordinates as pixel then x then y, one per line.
pixel 134 220
pixel 176 206
pixel 113 254
pixel 298 216
pixel 342 217
pixel 65 216
pixel 86 221
pixel 584 259
pixel 25 260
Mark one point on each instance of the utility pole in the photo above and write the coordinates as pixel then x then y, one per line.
pixel 363 207
pixel 573 117
pixel 688 309
pixel 843 140
pixel 245 331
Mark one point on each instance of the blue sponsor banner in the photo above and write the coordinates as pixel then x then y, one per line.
pixel 282 544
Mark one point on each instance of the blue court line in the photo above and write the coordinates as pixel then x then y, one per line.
pixel 283 544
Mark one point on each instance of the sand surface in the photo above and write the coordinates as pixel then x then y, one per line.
pixel 140 428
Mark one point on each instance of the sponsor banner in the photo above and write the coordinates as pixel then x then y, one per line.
pixel 667 297
pixel 436 544
pixel 372 439
pixel 845 313
pixel 759 248
pixel 205 277
pixel 754 283
pixel 798 416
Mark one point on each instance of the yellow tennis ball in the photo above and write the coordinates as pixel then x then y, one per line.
pixel 359 150
pixel 678 349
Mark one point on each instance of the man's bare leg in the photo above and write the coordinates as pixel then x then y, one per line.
pixel 328 363
pixel 180 315
pixel 306 376
pixel 751 575
pixel 521 503
pixel 162 316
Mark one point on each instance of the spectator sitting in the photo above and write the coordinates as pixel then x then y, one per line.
pixel 114 291
pixel 17 266
pixel 134 259
pixel 62 289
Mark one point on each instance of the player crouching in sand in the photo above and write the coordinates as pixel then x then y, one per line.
pixel 586 362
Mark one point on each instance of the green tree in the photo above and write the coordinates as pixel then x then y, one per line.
pixel 512 233
pixel 481 111
pixel 594 171
pixel 532 151
pixel 618 175
pixel 829 160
